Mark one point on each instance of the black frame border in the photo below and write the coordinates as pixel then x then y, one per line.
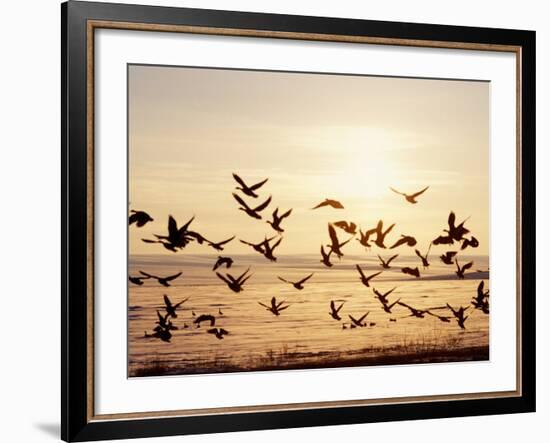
pixel 75 423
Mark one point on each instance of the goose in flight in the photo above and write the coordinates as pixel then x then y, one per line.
pixel 235 284
pixel 299 284
pixel 164 281
pixel 443 318
pixel 269 248
pixel 328 202
pixel 326 257
pixel 364 237
pixel 177 238
pixel 359 321
pixel 221 261
pixel 258 247
pixel 459 315
pixel 164 323
pixel 219 245
pixel 387 307
pixel 218 332
pixel 381 235
pixel 204 317
pixel 405 239
pixel 472 242
pixel 252 212
pixel 161 333
pixel 411 271
pixel 335 245
pixel 461 269
pixel 248 190
pixel 424 258
pixel 456 232
pixel 170 308
pixel 277 219
pixel 448 257
pixel 364 279
pixel 275 308
pixel 411 198
pixel 335 310
pixel 386 264
pixel 418 313
pixel 137 280
pixel 349 227
pixel 481 301
pixel 382 297
pixel 140 218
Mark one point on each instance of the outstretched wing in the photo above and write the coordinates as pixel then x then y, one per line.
pixel 399 243
pixel 305 279
pixel 420 192
pixel 467 266
pixel 239 180
pixel 451 220
pixel 320 205
pixel 172 277
pixel 393 257
pixel 257 185
pixel 147 275
pixel 286 214
pixel 396 191
pixel 263 205
pixel 167 301
pixel 360 271
pixel 240 201
pixel 373 275
pixel 181 302
pixel 363 317
pixel 282 279
pixel 264 305
pixel 221 243
pixel 223 278
pixel 333 235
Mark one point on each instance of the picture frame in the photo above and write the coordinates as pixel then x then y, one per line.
pixel 80 21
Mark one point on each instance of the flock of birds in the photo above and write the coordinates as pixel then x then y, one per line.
pixel 178 238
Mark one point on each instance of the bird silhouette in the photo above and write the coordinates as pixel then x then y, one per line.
pixel 277 219
pixel 456 232
pixel 204 317
pixel 386 264
pixel 387 307
pixel 235 284
pixel 359 321
pixel 328 202
pixel 335 245
pixel 275 308
pixel 248 190
pixel 472 242
pixel 411 198
pixel 448 257
pixel 259 247
pixel 364 279
pixel 461 269
pixel 164 323
pixel 177 238
pixel 140 218
pixel 335 310
pixel 218 332
pixel 443 240
pixel 137 280
pixel 381 235
pixel 481 301
pixel 326 257
pixel 419 313
pixel 411 271
pixel 424 258
pixel 170 308
pixel 299 284
pixel 219 245
pixel 364 237
pixel 227 261
pixel 160 333
pixel 252 212
pixel 443 318
pixel 459 315
pixel 269 248
pixel 164 281
pixel 349 227
pixel 383 297
pixel 404 240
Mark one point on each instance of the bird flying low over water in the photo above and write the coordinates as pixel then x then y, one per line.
pixel 481 301
pixel 170 308
pixel 381 235
pixel 137 280
pixel 204 317
pixel 349 227
pixel 383 297
pixel 472 242
pixel 219 245
pixel 456 232
pixel 140 218
pixel 326 257
pixel 218 332
pixel 404 240
pixel 460 270
pixel 252 212
pixel 386 264
pixel 424 258
pixel 328 202
pixel 387 307
pixel 411 198
pixel 299 284
pixel 164 281
pixel 419 313
pixel 364 237
pixel 277 219
pixel 443 318
pixel 161 333
pixel 448 257
pixel 364 279
pixel 227 261
pixel 235 284
pixel 459 315
pixel 177 238
pixel 248 190
pixel 269 248
pixel 164 323
pixel 411 271
pixel 258 247
pixel 359 321
pixel 275 308
pixel 335 245
pixel 335 310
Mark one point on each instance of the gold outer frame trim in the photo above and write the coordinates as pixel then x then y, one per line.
pixel 92 25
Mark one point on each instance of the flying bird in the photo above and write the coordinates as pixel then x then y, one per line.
pixel 269 248
pixel 140 218
pixel 383 297
pixel 459 315
pixel 219 245
pixel 349 227
pixel 221 261
pixel 424 258
pixel 328 202
pixel 177 238
pixel 164 323
pixel 411 198
pixel 275 308
pixel 456 232
pixel 299 284
pixel 235 284
pixel 411 271
pixel 381 235
pixel 387 307
pixel 277 219
pixel 252 212
pixel 170 308
pixel 248 190
pixel 386 264
pixel 405 239
pixel 443 240
pixel 472 242
pixel 448 257
pixel 364 237
pixel 204 317
pixel 258 247
pixel 364 279
pixel 335 310
pixel 161 333
pixel 460 270
pixel 218 332
pixel 419 313
pixel 335 245
pixel 358 322
pixel 137 280
pixel 481 301
pixel 443 318
pixel 326 257
pixel 164 281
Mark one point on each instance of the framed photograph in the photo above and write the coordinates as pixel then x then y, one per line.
pixel 285 221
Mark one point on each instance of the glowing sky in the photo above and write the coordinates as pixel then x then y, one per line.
pixel 314 136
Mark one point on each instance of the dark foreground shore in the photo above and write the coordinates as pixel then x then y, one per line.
pixel 282 360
